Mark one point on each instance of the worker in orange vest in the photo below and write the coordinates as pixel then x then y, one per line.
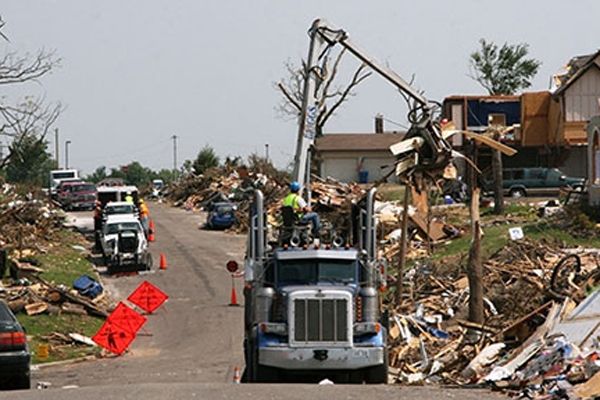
pixel 144 216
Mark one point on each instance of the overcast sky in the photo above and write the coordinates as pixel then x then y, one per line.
pixel 136 72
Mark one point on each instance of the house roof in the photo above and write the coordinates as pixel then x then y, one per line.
pixel 484 98
pixel 576 67
pixel 357 141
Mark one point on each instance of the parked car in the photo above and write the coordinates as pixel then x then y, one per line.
pixel 521 182
pixel 221 215
pixel 63 188
pixel 15 357
pixel 124 243
pixel 80 196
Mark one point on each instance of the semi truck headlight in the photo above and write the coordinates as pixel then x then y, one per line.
pixel 273 328
pixel 365 328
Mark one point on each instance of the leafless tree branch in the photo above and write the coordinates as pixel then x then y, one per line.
pixel 30 118
pixel 329 96
pixel 18 69
pixel 289 97
pixel 359 76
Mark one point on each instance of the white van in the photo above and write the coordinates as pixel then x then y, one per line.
pixel 59 175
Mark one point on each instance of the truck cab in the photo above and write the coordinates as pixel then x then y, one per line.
pixel 314 310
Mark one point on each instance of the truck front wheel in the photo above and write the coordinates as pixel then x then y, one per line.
pixel 261 373
pixel 378 373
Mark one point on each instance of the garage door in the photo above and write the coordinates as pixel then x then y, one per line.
pixel 342 169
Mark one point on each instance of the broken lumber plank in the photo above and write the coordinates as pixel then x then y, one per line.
pixel 90 307
pixel 36 308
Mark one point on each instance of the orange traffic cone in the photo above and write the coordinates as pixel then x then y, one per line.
pixel 163 261
pixel 237 377
pixel 151 231
pixel 233 301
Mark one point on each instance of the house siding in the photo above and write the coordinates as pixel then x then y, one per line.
pixel 581 98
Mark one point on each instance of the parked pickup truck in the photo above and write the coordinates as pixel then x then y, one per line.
pixel 124 244
pixel 78 196
pixel 521 182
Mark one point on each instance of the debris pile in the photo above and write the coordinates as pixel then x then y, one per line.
pixel 34 295
pixel 25 222
pixel 330 198
pixel 535 341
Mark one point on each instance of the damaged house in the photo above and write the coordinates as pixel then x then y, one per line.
pixel 549 126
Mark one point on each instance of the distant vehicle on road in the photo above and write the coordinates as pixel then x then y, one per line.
pixel 15 357
pixel 111 182
pixel 107 194
pixel 124 243
pixel 221 216
pixel 59 175
pixel 521 182
pixel 118 208
pixel 77 196
pixel 63 189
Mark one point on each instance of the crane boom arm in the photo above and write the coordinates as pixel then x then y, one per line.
pixel 322 37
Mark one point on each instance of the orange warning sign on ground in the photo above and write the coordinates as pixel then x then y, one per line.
pixel 127 318
pixel 148 297
pixel 113 338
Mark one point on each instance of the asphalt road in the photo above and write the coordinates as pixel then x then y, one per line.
pixel 191 345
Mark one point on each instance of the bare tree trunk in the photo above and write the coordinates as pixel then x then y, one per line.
pixel 474 267
pixel 498 191
pixel 403 244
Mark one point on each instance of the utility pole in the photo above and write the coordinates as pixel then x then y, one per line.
pixel 56 142
pixel 67 143
pixel 267 152
pixel 174 137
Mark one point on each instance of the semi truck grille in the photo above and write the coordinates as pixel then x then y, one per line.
pixel 321 320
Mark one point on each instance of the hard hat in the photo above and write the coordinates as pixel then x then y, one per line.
pixel 295 186
pixel 141 201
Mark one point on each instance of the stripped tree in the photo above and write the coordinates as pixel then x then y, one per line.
pixel 30 118
pixel 333 94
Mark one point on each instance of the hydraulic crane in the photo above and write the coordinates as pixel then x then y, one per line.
pixel 424 146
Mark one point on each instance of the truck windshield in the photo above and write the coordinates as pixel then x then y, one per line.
pixel 222 210
pixel 300 272
pixel 122 226
pixel 120 209
pixel 64 175
pixel 83 188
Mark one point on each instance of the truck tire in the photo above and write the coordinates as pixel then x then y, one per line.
pixel 260 373
pixel 149 262
pixel 265 374
pixel 517 193
pixel 379 373
pixel 23 382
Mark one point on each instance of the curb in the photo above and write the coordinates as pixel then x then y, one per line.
pixel 63 362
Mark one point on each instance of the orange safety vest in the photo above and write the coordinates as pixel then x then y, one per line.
pixel 144 211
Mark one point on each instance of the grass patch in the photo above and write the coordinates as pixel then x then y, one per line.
pixel 62 265
pixel 391 192
pixel 39 326
pixel 495 237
